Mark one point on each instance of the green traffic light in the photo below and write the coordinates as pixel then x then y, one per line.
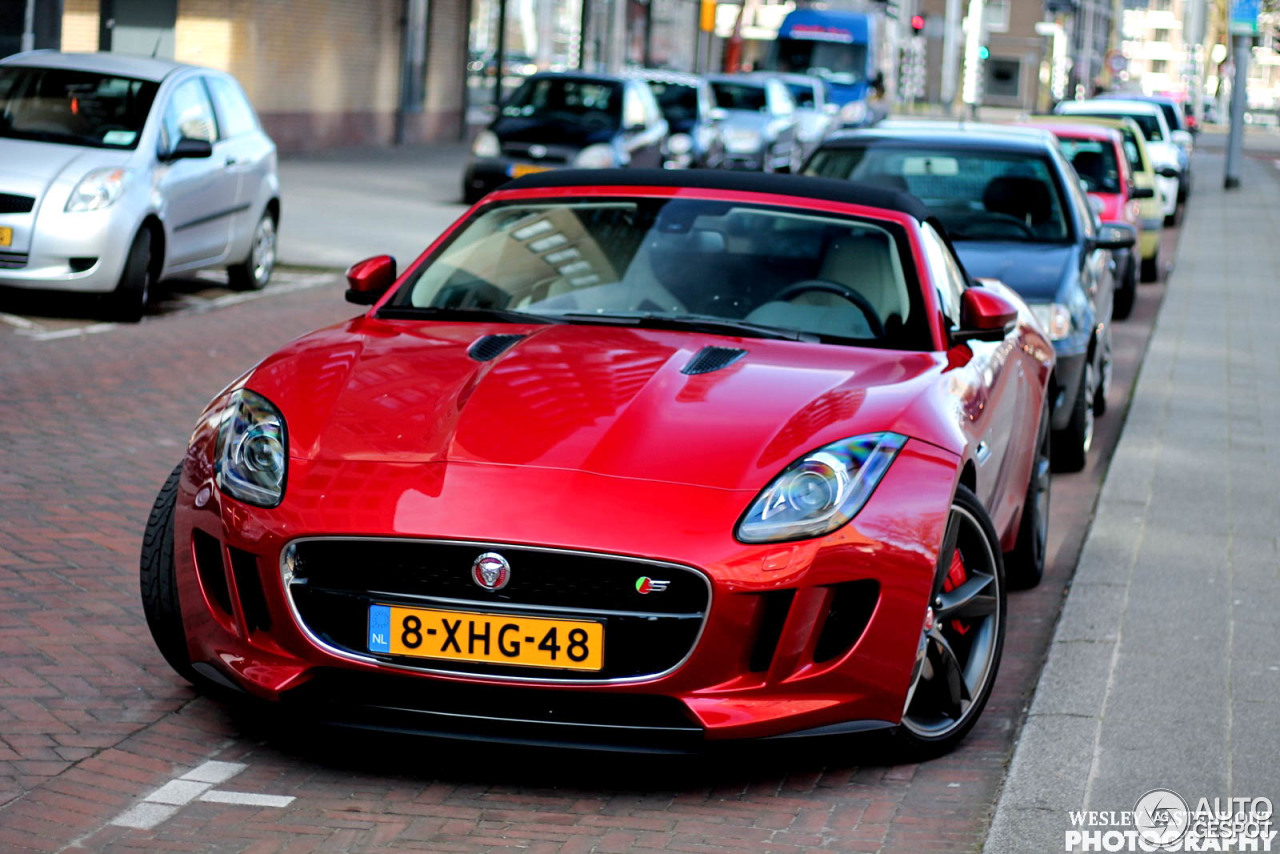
pixel 983 53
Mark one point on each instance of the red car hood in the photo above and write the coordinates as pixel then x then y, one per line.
pixel 600 399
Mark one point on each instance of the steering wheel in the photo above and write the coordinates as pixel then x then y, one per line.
pixel 997 218
pixel 843 291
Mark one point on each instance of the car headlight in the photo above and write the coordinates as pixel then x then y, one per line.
pixel 99 189
pixel 486 144
pixel 1054 319
pixel 598 156
pixel 252 453
pixel 821 491
pixel 680 143
pixel 853 113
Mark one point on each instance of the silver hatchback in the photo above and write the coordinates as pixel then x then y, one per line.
pixel 117 172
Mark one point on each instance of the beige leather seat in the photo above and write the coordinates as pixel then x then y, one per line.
pixel 863 263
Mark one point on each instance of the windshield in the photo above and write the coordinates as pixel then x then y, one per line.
pixel 586 101
pixel 978 195
pixel 740 96
pixel 1149 123
pixel 1095 163
pixel 679 103
pixel 803 93
pixel 839 62
pixel 73 107
pixel 734 268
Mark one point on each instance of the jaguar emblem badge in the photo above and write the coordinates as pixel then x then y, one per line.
pixel 491 571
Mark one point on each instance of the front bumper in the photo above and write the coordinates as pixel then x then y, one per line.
pixel 815 635
pixel 83 252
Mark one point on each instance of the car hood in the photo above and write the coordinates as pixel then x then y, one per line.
pixel 30 167
pixel 1037 271
pixel 546 131
pixel 605 400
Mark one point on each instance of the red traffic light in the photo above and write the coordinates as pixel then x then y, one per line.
pixel 917 23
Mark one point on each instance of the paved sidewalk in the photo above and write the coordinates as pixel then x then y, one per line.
pixel 1165 669
pixel 339 207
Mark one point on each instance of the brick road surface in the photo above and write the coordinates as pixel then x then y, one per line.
pixel 92 720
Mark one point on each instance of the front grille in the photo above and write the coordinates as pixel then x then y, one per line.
pixel 554 153
pixel 502 713
pixel 11 204
pixel 336 580
pixel 13 260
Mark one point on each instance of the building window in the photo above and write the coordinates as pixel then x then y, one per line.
pixel 1160 5
pixel 1160 35
pixel 1159 66
pixel 996 15
pixel 1003 78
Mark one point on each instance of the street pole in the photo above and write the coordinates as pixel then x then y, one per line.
pixel 1243 45
pixel 1195 38
pixel 971 84
pixel 29 27
pixel 500 52
pixel 950 54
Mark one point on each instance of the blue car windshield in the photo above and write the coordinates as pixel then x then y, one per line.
pixel 978 195
pixel 73 107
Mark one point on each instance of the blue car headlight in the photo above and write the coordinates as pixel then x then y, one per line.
pixel 252 453
pixel 821 491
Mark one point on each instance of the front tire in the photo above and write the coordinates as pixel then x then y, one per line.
pixel 157 580
pixel 1127 292
pixel 255 271
pixel 962 637
pixel 1151 267
pixel 1071 444
pixel 129 300
pixel 1025 565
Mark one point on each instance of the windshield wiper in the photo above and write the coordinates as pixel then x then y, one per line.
pixel 695 322
pixel 435 312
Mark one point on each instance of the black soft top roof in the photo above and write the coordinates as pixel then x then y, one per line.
pixel 824 189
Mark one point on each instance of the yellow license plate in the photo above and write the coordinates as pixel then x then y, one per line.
pixel 521 169
pixel 490 638
pixel 6 236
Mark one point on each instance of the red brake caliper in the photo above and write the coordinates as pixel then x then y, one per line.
pixel 955 577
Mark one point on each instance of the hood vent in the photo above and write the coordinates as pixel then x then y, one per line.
pixel 710 359
pixel 490 347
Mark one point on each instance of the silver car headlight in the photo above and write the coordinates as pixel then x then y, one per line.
pixel 252 452
pixel 1054 319
pixel 853 113
pixel 598 156
pixel 99 189
pixel 486 144
pixel 821 491
pixel 741 140
pixel 680 143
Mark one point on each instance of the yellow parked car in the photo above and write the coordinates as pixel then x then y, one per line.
pixel 1147 192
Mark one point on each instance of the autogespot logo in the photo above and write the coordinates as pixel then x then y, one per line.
pixel 1161 817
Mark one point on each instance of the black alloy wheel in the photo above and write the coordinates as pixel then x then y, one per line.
pixel 254 272
pixel 962 635
pixel 1127 292
pixel 1071 444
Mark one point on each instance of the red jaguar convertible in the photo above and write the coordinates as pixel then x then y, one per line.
pixel 638 459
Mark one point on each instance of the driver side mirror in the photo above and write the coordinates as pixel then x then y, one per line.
pixel 1116 235
pixel 1167 172
pixel 370 279
pixel 1142 193
pixel 984 316
pixel 188 148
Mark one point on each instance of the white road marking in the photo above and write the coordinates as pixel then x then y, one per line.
pixel 164 803
pixel 244 798
pixel 20 322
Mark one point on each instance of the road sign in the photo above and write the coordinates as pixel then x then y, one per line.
pixel 1244 17
pixel 1116 62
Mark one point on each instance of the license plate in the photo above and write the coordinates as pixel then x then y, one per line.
pixel 6 236
pixel 489 638
pixel 520 169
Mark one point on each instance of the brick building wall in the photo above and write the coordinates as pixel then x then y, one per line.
pixel 321 73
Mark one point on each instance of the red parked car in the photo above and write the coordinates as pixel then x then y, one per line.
pixel 1098 155
pixel 639 458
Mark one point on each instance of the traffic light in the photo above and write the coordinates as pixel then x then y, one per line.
pixel 917 24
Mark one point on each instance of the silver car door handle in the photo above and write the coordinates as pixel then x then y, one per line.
pixel 231 161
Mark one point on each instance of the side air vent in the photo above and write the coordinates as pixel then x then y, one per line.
pixel 852 604
pixel 492 346
pixel 773 616
pixel 710 359
pixel 213 577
